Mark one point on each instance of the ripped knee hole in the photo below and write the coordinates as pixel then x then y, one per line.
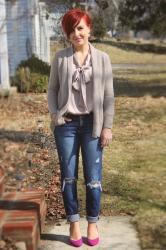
pixel 67 181
pixel 94 184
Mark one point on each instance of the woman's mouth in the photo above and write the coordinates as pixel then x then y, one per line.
pixel 78 39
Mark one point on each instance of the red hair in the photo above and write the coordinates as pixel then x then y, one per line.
pixel 72 18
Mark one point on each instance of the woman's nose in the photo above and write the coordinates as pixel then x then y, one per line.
pixel 76 32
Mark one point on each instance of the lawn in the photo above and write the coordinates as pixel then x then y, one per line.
pixel 143 75
pixel 137 82
pixel 135 164
pixel 133 53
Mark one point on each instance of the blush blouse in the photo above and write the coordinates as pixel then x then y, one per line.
pixel 80 101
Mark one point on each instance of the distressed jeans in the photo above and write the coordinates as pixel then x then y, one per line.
pixel 70 137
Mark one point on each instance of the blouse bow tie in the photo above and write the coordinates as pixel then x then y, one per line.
pixel 82 76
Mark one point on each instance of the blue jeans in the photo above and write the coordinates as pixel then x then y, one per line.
pixel 69 138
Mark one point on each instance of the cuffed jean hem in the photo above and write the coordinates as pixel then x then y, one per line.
pixel 73 217
pixel 92 219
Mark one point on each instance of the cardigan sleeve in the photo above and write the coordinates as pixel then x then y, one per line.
pixel 53 87
pixel 108 103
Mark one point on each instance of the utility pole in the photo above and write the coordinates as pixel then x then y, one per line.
pixel 85 4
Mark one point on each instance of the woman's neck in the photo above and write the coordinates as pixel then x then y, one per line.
pixel 81 53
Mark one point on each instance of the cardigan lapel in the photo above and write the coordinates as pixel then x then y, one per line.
pixel 69 66
pixel 67 78
pixel 97 74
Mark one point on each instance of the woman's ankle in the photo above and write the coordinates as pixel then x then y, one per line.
pixel 92 230
pixel 75 233
pixel 74 224
pixel 91 224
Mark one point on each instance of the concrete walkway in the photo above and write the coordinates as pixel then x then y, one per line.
pixel 116 233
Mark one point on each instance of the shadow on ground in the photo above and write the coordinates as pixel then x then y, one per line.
pixel 149 47
pixel 19 136
pixel 58 237
pixel 55 237
pixel 136 89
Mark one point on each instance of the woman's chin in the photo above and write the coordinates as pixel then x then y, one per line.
pixel 79 43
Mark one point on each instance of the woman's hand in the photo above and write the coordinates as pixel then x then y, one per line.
pixel 106 137
pixel 67 119
pixel 54 118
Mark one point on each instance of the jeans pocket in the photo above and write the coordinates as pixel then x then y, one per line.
pixel 60 121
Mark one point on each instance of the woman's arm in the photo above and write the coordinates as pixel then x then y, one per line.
pixel 108 104
pixel 53 87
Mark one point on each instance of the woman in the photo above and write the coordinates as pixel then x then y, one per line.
pixel 81 105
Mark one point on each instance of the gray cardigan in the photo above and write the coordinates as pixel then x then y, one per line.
pixel 60 86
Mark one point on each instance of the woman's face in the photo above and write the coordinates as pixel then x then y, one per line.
pixel 80 35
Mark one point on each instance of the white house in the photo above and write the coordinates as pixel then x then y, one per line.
pixel 42 33
pixel 24 32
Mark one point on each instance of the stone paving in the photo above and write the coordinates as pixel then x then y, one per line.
pixel 116 233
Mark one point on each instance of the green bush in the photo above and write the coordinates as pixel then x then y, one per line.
pixel 39 83
pixel 35 65
pixel 22 80
pixel 25 81
pixel 31 76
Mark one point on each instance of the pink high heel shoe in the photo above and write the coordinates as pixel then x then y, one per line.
pixel 76 243
pixel 94 241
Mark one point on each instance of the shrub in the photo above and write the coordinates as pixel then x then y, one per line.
pixel 22 79
pixel 25 81
pixel 31 76
pixel 39 83
pixel 35 65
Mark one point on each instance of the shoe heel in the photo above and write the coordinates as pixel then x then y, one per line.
pixel 76 243
pixel 93 242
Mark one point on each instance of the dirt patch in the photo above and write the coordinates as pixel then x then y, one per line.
pixel 24 124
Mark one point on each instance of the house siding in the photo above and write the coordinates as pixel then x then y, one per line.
pixel 25 35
